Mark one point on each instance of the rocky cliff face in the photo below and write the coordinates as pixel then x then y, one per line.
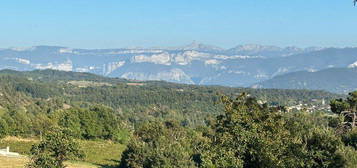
pixel 196 63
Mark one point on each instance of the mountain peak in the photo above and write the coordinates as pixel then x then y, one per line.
pixel 200 46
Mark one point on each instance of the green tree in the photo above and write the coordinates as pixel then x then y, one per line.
pixel 254 135
pixel 70 119
pixel 322 148
pixel 248 134
pixel 3 128
pixel 347 109
pixel 157 144
pixel 350 138
pixel 56 147
pixel 91 123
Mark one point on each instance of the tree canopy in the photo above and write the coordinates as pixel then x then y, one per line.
pixel 57 146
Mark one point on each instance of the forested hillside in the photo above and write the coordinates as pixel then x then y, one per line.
pixel 132 100
pixel 173 125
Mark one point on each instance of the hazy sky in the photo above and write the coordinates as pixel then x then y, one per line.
pixel 148 23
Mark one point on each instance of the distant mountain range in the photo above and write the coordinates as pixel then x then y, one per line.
pixel 241 66
pixel 339 80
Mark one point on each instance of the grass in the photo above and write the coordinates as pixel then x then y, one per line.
pixel 11 162
pixel 104 154
pixel 19 145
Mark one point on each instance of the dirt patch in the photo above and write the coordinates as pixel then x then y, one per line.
pixel 18 139
pixel 135 84
pixel 11 162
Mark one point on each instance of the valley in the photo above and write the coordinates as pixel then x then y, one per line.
pixel 113 119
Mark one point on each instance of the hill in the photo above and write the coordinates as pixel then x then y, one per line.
pixel 132 100
pixel 338 80
pixel 164 121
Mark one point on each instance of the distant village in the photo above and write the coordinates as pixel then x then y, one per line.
pixel 315 105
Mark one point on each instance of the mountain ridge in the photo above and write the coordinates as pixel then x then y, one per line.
pixel 337 80
pixel 192 64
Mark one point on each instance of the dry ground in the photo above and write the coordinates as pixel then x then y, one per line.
pixel 11 162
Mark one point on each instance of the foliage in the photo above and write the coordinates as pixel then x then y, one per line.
pixel 252 135
pixel 96 122
pixel 49 90
pixel 175 125
pixel 350 156
pixel 350 138
pixel 3 128
pixel 347 109
pixel 157 144
pixel 97 152
pixel 247 134
pixel 56 147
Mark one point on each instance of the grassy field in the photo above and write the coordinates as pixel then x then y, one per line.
pixel 10 162
pixel 103 154
pixel 6 162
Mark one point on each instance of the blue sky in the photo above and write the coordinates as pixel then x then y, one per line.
pixel 150 23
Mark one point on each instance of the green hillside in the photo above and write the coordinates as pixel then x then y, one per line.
pixel 160 124
pixel 132 100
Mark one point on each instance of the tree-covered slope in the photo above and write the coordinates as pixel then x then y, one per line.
pixel 164 124
pixel 132 100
